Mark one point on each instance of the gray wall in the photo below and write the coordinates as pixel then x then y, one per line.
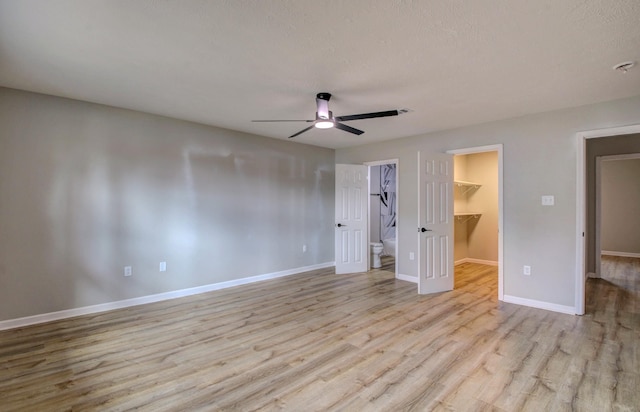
pixel 87 189
pixel 604 146
pixel 539 159
pixel 620 206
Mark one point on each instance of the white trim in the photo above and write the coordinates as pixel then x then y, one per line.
pixel 103 307
pixel 611 131
pixel 478 261
pixel 494 148
pixel 477 149
pixel 581 203
pixel 381 162
pixel 621 254
pixel 538 304
pixel 581 217
pixel 407 278
pixel 628 156
pixel 592 275
pixel 597 230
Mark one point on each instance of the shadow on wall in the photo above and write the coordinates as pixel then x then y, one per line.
pixel 87 190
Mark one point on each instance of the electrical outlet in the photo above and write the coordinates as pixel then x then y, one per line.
pixel 412 256
pixel 526 270
pixel 163 266
pixel 304 248
pixel 128 271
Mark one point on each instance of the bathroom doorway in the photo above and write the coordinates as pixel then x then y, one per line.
pixel 383 215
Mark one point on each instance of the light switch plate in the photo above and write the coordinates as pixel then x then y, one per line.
pixel 548 200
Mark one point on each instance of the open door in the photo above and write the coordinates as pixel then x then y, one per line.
pixel 351 240
pixel 435 217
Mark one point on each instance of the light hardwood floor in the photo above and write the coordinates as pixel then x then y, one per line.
pixel 320 341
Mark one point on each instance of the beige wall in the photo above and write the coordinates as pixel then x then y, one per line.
pixel 539 154
pixel 460 233
pixel 459 172
pixel 620 206
pixel 483 232
pixel 477 238
pixel 87 189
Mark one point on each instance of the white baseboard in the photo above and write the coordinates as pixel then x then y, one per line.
pixel 103 307
pixel 570 310
pixel 621 254
pixel 407 278
pixel 592 275
pixel 479 261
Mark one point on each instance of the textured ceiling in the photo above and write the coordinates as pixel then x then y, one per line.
pixel 225 63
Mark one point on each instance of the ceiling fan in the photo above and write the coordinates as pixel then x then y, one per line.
pixel 325 119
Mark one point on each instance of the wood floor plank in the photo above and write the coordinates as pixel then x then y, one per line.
pixel 321 341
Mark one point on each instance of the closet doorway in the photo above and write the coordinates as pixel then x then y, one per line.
pixel 477 209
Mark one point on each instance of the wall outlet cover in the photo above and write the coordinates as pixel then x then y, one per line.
pixel 548 200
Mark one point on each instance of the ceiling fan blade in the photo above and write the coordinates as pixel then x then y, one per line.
pixel 301 131
pixel 347 128
pixel 264 121
pixel 367 115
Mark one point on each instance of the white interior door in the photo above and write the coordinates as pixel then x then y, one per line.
pixel 351 241
pixel 435 217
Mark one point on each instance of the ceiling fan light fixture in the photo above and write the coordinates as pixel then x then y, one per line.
pixel 324 119
pixel 324 124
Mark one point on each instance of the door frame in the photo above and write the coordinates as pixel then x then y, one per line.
pixel 380 163
pixel 581 204
pixel 483 149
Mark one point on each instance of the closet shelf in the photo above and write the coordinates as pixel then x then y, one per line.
pixel 466 216
pixel 466 185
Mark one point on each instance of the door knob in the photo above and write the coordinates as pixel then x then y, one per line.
pixel 341 225
pixel 424 230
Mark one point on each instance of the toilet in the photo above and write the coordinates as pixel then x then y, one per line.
pixel 376 251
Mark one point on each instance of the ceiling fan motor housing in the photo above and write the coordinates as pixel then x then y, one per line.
pixel 329 116
pixel 322 101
